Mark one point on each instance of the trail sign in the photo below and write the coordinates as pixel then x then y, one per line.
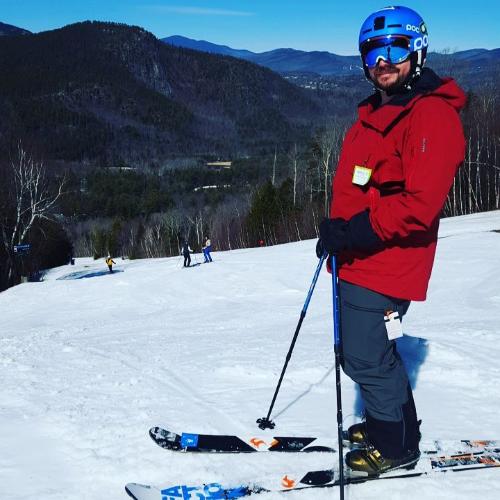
pixel 22 249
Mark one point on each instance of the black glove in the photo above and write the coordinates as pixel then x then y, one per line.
pixel 333 236
pixel 337 235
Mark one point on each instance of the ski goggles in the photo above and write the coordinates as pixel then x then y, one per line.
pixel 392 49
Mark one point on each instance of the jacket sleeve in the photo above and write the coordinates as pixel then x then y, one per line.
pixel 433 150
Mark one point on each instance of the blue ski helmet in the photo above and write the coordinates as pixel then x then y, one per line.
pixel 394 34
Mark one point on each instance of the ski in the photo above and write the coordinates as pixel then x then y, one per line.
pixel 217 443
pixel 427 465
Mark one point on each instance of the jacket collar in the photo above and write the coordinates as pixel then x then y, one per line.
pixel 383 117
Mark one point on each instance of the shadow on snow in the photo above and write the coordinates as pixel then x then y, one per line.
pixel 413 351
pixel 79 275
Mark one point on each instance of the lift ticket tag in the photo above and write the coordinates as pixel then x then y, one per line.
pixel 361 175
pixel 393 325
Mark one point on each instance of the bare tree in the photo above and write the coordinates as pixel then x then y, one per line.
pixel 476 186
pixel 274 165
pixel 327 150
pixel 199 227
pixel 293 156
pixel 153 241
pixel 31 200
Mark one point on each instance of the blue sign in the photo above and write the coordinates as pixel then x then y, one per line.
pixel 22 248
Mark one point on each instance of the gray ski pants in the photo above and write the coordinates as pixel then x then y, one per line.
pixel 369 357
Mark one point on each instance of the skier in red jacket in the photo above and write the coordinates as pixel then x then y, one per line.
pixel 395 170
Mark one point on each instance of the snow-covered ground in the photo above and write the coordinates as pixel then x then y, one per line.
pixel 89 361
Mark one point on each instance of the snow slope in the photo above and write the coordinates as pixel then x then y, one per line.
pixel 89 361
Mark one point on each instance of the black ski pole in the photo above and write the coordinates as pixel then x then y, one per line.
pixel 338 353
pixel 264 422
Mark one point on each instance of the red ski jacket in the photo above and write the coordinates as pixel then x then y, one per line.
pixel 399 160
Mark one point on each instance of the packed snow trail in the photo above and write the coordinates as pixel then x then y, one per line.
pixel 89 365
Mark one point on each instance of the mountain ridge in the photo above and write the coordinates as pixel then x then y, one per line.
pixel 324 63
pixel 109 91
pixel 9 30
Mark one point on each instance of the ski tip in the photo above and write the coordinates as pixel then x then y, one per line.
pixel 131 489
pixel 159 433
pixel 154 431
pixel 142 491
pixel 165 438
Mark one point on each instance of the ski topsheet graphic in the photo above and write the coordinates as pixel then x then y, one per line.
pixel 217 443
pixel 222 443
pixel 470 455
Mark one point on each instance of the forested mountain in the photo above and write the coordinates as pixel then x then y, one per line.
pixel 282 60
pixel 9 29
pixel 107 93
pixel 323 63
pixel 204 46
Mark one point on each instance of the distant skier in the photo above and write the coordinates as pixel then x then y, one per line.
pixel 110 262
pixel 394 172
pixel 186 251
pixel 207 248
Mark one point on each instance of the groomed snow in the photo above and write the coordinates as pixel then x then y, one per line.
pixel 89 361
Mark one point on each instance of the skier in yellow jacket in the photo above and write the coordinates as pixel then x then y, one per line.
pixel 110 262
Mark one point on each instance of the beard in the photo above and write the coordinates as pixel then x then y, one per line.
pixel 389 79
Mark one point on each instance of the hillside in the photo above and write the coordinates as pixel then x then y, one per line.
pixel 282 60
pixel 105 94
pixel 328 64
pixel 204 46
pixel 9 30
pixel 110 93
pixel 90 361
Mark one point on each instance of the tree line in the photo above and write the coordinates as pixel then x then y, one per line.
pixel 276 198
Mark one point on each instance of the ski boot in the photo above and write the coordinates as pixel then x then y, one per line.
pixel 356 436
pixel 370 462
pixel 388 445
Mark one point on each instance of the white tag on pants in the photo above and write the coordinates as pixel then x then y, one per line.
pixel 393 325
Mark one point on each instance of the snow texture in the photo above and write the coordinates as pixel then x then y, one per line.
pixel 89 365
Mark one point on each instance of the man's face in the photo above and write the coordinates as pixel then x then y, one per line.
pixel 389 76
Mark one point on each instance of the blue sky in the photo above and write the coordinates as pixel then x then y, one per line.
pixel 261 25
